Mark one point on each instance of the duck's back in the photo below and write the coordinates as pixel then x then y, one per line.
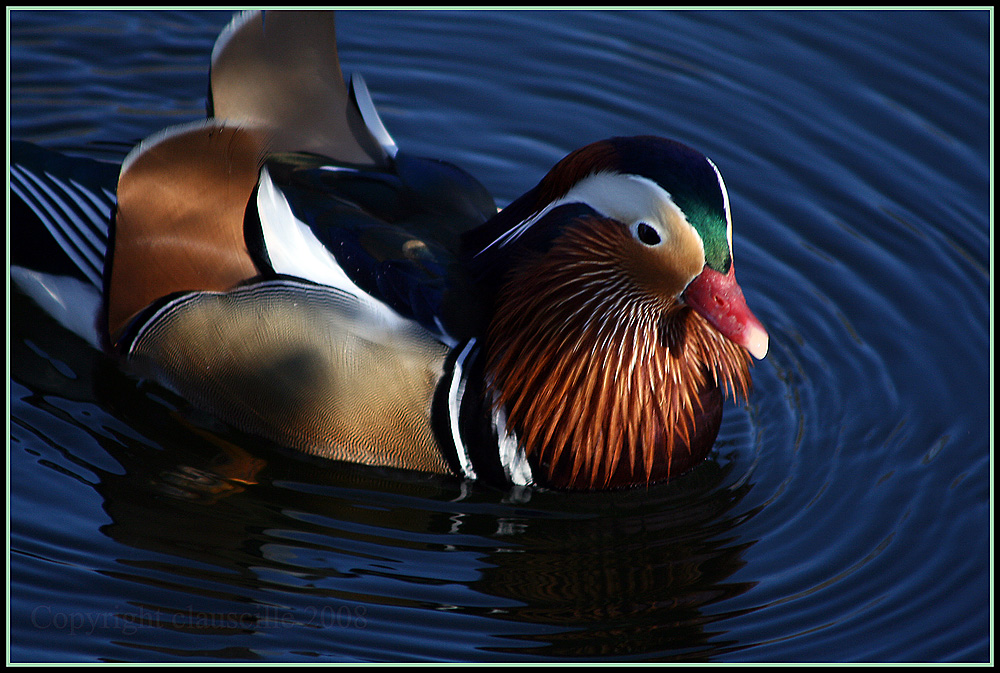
pixel 309 292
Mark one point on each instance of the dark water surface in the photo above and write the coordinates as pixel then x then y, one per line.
pixel 846 512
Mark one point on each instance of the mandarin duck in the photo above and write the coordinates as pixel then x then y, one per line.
pixel 282 265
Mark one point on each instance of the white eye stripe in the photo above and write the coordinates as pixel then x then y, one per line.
pixel 624 197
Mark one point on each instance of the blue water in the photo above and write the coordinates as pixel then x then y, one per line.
pixel 845 514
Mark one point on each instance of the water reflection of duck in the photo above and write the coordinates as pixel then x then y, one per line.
pixel 283 266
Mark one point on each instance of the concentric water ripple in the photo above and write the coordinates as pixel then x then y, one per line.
pixel 845 513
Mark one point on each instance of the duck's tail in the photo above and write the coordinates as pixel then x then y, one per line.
pixel 60 211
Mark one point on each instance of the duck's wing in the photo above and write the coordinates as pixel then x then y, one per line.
pixel 315 364
pixel 280 70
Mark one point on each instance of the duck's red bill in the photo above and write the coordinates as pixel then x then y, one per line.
pixel 718 298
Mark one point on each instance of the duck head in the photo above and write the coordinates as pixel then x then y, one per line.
pixel 616 318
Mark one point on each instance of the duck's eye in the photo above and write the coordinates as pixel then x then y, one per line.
pixel 647 234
